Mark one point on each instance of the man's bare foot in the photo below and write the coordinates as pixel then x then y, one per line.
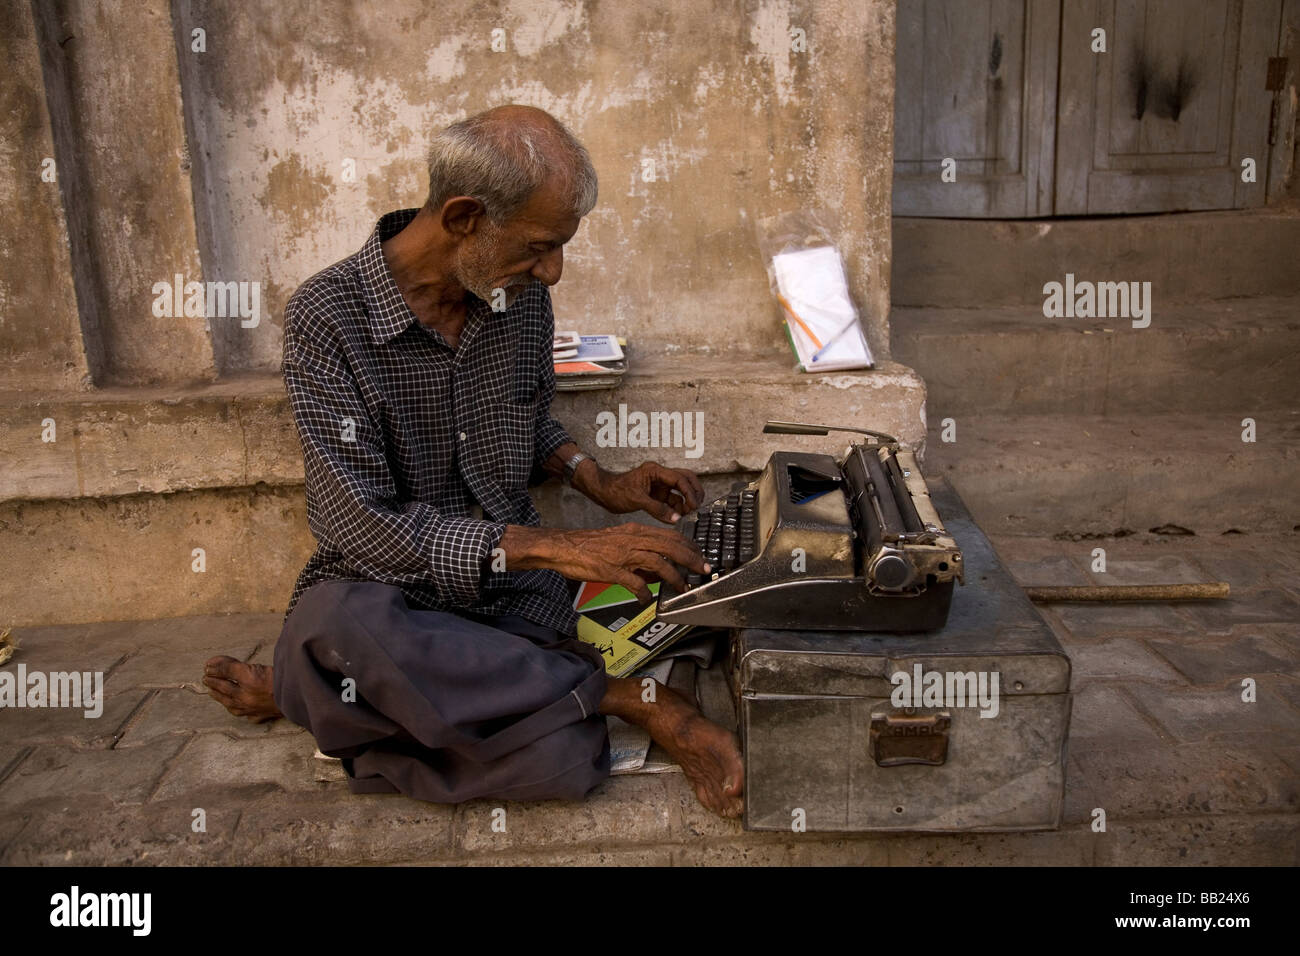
pixel 709 754
pixel 243 689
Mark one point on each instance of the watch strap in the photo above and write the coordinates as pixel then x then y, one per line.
pixel 571 466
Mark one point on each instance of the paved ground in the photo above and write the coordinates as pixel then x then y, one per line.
pixel 1186 771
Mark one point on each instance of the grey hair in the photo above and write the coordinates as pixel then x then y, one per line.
pixel 502 163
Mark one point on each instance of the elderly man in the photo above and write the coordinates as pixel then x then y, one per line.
pixel 419 372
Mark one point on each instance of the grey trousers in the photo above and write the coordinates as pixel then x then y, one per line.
pixel 446 708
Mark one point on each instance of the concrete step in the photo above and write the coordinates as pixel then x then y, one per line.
pixel 103 522
pixel 956 263
pixel 1229 355
pixel 1090 475
pixel 239 433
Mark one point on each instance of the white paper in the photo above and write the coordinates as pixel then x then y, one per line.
pixel 813 282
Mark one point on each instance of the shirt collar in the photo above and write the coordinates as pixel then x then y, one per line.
pixel 389 314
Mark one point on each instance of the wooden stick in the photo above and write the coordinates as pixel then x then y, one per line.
pixel 1209 591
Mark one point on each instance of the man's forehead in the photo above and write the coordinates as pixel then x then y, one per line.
pixel 548 210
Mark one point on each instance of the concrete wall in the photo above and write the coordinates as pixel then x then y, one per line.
pixel 40 337
pixel 113 88
pixel 737 125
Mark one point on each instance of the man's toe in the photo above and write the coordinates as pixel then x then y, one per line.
pixel 219 666
pixel 220 686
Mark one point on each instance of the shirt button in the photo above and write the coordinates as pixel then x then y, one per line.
pixel 463 436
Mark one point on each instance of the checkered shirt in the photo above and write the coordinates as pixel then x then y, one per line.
pixel 402 436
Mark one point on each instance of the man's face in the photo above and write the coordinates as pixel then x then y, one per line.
pixel 527 247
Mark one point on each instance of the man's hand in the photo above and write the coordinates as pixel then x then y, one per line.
pixel 663 493
pixel 627 554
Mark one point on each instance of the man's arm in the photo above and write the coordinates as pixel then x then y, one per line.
pixel 627 554
pixel 663 493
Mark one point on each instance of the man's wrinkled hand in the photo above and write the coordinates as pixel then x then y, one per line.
pixel 627 554
pixel 662 493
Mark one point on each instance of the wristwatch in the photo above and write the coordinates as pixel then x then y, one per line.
pixel 571 467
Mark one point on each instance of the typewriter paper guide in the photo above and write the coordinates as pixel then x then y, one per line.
pixel 813 282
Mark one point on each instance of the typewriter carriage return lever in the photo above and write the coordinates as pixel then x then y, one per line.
pixel 800 428
pixel 823 543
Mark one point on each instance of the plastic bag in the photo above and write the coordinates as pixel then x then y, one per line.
pixel 806 275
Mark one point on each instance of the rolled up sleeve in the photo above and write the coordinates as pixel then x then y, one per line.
pixel 352 505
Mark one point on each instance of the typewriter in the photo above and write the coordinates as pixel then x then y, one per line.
pixel 819 543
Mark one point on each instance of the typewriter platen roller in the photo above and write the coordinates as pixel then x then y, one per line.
pixel 817 542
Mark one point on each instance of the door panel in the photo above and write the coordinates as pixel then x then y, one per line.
pixel 976 82
pixel 1162 120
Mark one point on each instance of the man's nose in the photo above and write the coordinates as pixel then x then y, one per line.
pixel 550 266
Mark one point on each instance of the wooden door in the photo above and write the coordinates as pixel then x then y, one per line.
pixel 1163 119
pixel 1159 122
pixel 975 84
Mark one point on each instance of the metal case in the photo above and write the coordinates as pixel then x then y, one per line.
pixel 826 747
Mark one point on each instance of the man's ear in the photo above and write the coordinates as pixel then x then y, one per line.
pixel 461 216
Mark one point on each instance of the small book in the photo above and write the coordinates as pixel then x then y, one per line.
pixel 616 623
pixel 565 341
pixel 597 362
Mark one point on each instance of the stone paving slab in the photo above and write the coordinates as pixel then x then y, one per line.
pixel 1211 662
pixel 1186 772
pixel 71 725
pixel 1069 846
pixel 1286 635
pixel 1247 568
pixel 1288 690
pixel 334 826
pixel 1091 622
pixel 158 665
pixel 1154 569
pixel 1201 841
pixel 635 809
pixel 637 856
pixel 1080 794
pixel 1059 570
pixel 1291 756
pixel 1155 782
pixel 55 775
pixel 1122 657
pixel 78 648
pixel 1219 713
pixel 91 834
pixel 1104 718
pixel 1270 606
pixel 184 710
pixel 215 763
pixel 10 754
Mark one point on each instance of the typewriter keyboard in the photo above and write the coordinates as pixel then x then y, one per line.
pixel 726 533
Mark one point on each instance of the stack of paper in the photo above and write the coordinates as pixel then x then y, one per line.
pixel 820 319
pixel 585 362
